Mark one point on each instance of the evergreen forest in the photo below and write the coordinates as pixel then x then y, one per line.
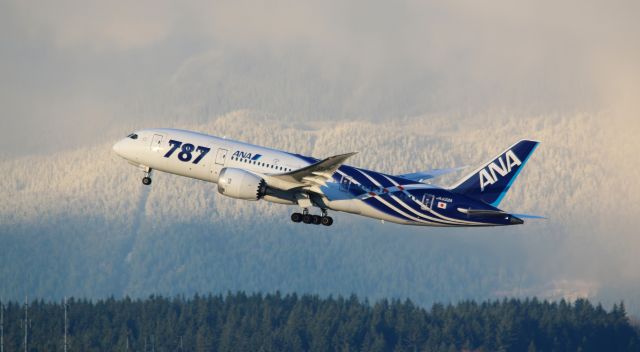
pixel 276 322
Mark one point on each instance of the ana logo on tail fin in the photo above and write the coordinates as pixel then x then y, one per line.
pixel 490 182
pixel 488 174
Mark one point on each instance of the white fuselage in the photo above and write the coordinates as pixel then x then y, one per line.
pixel 151 146
pixel 265 173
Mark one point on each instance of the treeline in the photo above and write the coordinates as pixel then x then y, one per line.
pixel 275 322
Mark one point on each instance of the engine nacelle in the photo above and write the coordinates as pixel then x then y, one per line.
pixel 241 184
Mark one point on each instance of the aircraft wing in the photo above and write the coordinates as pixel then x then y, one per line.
pixel 315 175
pixel 421 176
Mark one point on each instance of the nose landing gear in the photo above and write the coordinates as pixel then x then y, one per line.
pixel 146 180
pixel 307 218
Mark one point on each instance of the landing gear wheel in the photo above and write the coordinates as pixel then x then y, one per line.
pixel 307 218
pixel 296 217
pixel 327 220
pixel 316 219
pixel 146 180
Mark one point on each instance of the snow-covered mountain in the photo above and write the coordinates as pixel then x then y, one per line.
pixel 79 222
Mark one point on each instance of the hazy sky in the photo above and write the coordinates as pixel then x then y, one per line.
pixel 76 75
pixel 72 71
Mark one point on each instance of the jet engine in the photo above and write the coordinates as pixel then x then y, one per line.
pixel 241 184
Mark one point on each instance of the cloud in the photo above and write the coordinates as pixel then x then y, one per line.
pixel 151 61
pixel 95 25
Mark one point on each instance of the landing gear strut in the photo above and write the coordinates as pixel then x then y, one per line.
pixel 307 218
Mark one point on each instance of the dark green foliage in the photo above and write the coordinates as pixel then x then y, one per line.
pixel 275 322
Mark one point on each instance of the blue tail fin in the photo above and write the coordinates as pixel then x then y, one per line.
pixel 492 180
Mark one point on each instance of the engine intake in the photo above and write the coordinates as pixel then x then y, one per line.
pixel 241 184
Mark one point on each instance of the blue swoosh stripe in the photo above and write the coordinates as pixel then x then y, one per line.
pixel 438 216
pixel 387 198
pixel 390 200
pixel 354 174
pixel 401 181
pixel 381 179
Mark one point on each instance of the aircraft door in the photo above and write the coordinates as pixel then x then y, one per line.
pixel 156 143
pixel 221 158
pixel 426 202
pixel 345 183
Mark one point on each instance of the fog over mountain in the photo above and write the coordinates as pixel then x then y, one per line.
pixel 410 85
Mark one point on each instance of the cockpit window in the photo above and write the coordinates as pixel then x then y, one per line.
pixel 133 136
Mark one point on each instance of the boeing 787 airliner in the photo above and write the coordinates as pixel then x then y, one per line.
pixel 250 172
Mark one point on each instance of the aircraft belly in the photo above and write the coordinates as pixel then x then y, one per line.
pixel 358 207
pixel 155 161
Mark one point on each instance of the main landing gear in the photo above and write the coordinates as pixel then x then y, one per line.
pixel 307 218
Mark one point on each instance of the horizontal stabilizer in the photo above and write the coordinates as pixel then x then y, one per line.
pixel 515 219
pixel 529 216
pixel 483 212
pixel 422 176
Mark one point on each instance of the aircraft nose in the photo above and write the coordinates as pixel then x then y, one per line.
pixel 117 148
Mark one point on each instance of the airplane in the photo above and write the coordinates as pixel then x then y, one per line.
pixel 250 172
